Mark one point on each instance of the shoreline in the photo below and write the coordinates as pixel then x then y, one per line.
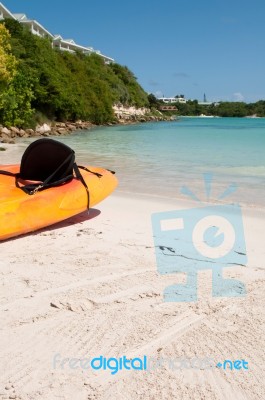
pixel 13 154
pixel 8 135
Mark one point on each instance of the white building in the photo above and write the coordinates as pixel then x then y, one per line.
pixel 56 40
pixel 5 13
pixel 207 103
pixel 170 100
pixel 34 26
pixel 70 46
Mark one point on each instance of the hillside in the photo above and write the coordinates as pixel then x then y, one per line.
pixel 39 83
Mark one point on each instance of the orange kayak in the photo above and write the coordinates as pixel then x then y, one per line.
pixel 21 213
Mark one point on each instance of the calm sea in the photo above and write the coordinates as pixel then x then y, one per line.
pixel 161 158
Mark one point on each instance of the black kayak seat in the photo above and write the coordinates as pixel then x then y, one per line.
pixel 50 163
pixel 47 158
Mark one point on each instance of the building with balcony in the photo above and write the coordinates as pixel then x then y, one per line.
pixel 57 41
pixel 72 47
pixel 34 26
pixel 170 100
pixel 5 13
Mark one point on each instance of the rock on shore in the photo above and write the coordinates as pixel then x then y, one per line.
pixel 8 135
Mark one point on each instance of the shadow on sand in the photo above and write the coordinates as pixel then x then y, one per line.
pixel 76 219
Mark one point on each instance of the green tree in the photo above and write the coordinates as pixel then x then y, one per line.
pixel 16 102
pixel 7 60
pixel 231 109
pixel 17 93
pixel 63 86
pixel 153 102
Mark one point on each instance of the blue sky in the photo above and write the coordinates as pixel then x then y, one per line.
pixel 173 47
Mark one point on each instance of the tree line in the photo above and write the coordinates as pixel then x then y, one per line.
pixel 39 83
pixel 221 109
pixel 224 109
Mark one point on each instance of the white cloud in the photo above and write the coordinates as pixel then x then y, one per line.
pixel 237 96
pixel 158 93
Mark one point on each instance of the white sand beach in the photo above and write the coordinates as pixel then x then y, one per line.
pixel 89 286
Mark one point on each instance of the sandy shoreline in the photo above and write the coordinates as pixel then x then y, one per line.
pixel 90 286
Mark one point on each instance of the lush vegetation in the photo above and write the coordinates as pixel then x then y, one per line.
pixel 223 109
pixel 39 83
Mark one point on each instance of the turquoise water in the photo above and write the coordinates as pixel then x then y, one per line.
pixel 159 158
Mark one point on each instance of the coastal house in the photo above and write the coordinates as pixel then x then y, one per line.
pixel 107 60
pixel 56 40
pixel 208 103
pixel 169 100
pixel 5 13
pixel 168 108
pixel 69 45
pixel 34 26
pixel 205 103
